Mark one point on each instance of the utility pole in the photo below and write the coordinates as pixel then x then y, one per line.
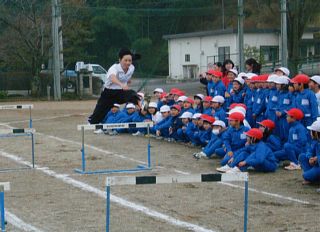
pixel 284 35
pixel 240 35
pixel 60 36
pixel 223 21
pixel 55 51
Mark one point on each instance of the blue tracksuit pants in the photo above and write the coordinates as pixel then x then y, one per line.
pixel 310 173
pixel 289 152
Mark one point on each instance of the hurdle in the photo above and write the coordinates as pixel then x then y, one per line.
pixel 4 186
pixel 18 107
pixel 193 178
pixel 130 125
pixel 19 132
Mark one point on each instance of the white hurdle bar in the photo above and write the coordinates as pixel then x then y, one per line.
pixel 19 132
pixel 18 107
pixel 130 125
pixel 193 178
pixel 4 186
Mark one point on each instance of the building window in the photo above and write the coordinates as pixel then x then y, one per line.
pixel 269 53
pixel 223 54
pixel 187 58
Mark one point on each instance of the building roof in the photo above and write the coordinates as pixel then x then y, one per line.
pixel 227 31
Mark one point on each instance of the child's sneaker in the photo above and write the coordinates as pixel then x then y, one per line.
pixel 138 133
pixel 114 132
pixel 98 132
pixel 293 167
pixel 200 155
pixel 159 137
pixel 234 170
pixel 224 168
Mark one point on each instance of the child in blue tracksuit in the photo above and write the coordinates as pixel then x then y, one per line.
pixel 141 116
pixel 297 140
pixel 217 106
pixel 113 115
pixel 238 92
pixel 310 161
pixel 219 128
pixel 207 105
pixel 198 98
pixel 305 99
pixel 234 138
pixel 272 141
pixel 187 127
pixel 256 154
pixel 259 103
pixel 188 106
pixel 128 114
pixel 161 127
pixel 215 85
pixel 205 134
pixel 195 127
pixel 176 123
pixel 272 98
pixel 248 101
pixel 285 102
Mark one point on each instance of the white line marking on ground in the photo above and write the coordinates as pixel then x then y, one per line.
pixel 275 195
pixel 42 119
pixel 88 188
pixel 17 222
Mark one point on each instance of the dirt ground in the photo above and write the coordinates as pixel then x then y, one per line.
pixel 52 197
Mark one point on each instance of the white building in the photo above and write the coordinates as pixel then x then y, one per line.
pixel 190 53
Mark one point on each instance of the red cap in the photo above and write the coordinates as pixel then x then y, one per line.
pixel 177 107
pixel 300 79
pixel 263 77
pixel 295 113
pixel 254 133
pixel 207 118
pixel 267 123
pixel 174 90
pixel 215 73
pixel 233 105
pixel 236 116
pixel 189 100
pixel 163 95
pixel 207 99
pixel 255 79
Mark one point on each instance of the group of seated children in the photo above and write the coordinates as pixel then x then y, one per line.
pixel 256 121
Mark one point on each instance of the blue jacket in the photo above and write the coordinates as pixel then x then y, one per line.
pixel 191 110
pixel 259 105
pixel 125 117
pixel 205 136
pixel 236 97
pixel 207 111
pixel 176 123
pixel 248 99
pixel 198 109
pixel 235 139
pixel 285 102
pixel 307 102
pixel 271 104
pixel 191 129
pixel 216 89
pixel 113 117
pixel 220 114
pixel 273 142
pixel 164 124
pixel 261 153
pixel 298 135
pixel 141 118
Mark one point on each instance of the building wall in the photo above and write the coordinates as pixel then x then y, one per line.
pixel 204 50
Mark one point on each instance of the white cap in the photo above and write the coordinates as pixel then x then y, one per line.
pixel 218 99
pixel 130 106
pixel 199 95
pixel 234 71
pixel 272 78
pixel 219 123
pixel 315 126
pixel 186 115
pixel 165 108
pixel 238 109
pixel 281 80
pixel 316 79
pixel 159 90
pixel 239 79
pixel 153 105
pixel 116 105
pixel 242 75
pixel 284 70
pixel 182 98
pixel 196 116
pixel 141 95
pixel 250 75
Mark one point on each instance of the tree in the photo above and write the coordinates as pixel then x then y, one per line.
pixel 300 13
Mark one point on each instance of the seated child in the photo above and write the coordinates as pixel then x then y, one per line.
pixel 198 98
pixel 271 140
pixel 217 108
pixel 186 128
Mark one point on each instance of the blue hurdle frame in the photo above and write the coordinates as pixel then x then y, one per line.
pixel 139 168
pixel 22 134
pixel 2 211
pixel 245 208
